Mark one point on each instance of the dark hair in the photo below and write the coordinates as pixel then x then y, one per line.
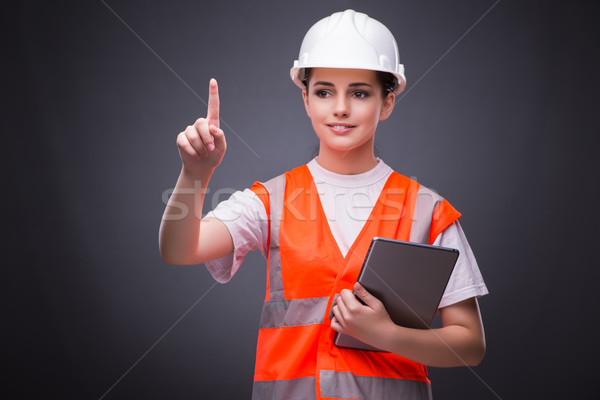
pixel 387 81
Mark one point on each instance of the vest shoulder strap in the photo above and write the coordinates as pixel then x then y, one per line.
pixel 432 215
pixel 271 194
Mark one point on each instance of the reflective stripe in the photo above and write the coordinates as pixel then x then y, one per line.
pixel 344 385
pixel 276 314
pixel 427 200
pixel 275 279
pixel 290 389
pixel 276 189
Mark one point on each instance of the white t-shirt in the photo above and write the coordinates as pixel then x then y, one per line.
pixel 347 201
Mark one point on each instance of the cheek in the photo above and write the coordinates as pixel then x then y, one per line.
pixel 318 111
pixel 369 112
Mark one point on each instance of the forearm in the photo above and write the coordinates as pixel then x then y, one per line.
pixel 460 342
pixel 450 346
pixel 181 222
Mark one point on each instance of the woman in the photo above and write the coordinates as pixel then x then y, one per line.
pixel 315 223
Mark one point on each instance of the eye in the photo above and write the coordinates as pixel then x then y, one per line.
pixel 322 93
pixel 359 94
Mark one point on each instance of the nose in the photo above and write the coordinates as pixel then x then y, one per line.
pixel 342 107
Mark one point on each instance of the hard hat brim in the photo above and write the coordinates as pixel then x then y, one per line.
pixel 296 71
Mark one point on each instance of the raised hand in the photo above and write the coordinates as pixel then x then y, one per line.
pixel 202 145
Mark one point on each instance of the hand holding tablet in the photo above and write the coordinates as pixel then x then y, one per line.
pixel 408 278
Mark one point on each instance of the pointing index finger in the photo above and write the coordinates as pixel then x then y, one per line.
pixel 213 103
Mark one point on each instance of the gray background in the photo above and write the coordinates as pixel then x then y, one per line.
pixel 498 117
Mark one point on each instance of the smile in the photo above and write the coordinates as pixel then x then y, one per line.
pixel 341 128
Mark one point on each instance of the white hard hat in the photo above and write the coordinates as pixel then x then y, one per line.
pixel 349 39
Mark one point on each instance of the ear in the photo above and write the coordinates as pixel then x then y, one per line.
pixel 388 106
pixel 305 100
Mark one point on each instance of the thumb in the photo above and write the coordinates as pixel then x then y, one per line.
pixel 218 137
pixel 365 296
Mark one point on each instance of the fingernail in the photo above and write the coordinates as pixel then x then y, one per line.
pixel 358 287
pixel 211 147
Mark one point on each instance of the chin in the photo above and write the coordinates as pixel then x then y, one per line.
pixel 344 145
pixel 340 147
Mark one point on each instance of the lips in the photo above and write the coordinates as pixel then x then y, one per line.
pixel 340 128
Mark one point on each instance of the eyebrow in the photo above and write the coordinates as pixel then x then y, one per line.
pixel 351 85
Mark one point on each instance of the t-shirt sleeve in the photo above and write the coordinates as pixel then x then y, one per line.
pixel 245 217
pixel 466 280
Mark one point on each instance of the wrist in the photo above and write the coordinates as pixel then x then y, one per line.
pixel 202 176
pixel 394 337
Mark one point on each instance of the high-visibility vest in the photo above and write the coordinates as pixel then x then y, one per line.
pixel 296 358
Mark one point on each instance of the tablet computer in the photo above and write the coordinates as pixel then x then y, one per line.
pixel 408 278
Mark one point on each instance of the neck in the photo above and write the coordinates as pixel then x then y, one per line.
pixel 348 162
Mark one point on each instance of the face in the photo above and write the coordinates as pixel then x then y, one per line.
pixel 345 106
